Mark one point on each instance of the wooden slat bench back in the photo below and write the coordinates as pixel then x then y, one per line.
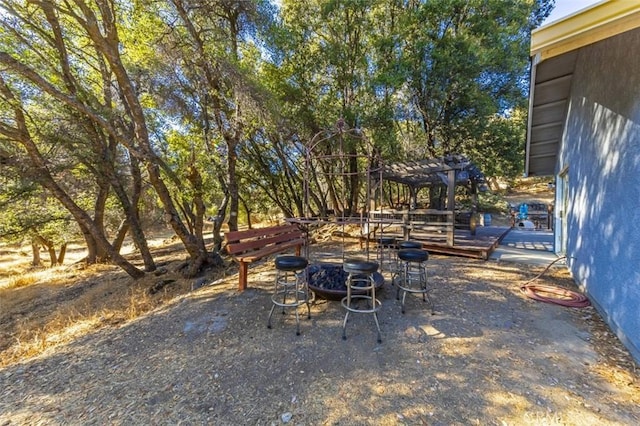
pixel 251 245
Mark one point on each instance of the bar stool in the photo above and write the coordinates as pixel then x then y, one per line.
pixel 409 245
pixel 360 286
pixel 414 276
pixel 386 253
pixel 399 265
pixel 290 290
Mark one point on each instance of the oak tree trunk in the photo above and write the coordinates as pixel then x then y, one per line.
pixel 35 250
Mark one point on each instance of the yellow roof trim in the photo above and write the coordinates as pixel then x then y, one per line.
pixel 598 22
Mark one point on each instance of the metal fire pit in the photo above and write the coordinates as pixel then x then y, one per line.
pixel 328 281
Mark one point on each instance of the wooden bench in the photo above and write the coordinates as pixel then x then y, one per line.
pixel 253 244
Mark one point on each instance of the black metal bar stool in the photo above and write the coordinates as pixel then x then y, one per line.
pixel 291 289
pixel 409 245
pixel 361 286
pixel 414 275
pixel 399 265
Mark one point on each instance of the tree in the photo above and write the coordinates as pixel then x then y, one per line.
pixel 66 27
pixel 325 53
pixel 210 49
pixel 209 102
pixel 423 78
pixel 274 167
pixel 27 213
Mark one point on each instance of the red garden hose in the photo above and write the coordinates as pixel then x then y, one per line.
pixel 551 294
pixel 555 295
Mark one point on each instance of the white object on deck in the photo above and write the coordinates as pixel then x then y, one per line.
pixel 526 225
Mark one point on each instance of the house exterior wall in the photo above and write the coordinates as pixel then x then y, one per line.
pixel 600 153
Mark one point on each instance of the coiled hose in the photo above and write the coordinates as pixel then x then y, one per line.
pixel 552 294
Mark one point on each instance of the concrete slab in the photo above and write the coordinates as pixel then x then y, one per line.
pixel 528 247
pixel 531 240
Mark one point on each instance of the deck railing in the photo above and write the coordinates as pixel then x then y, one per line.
pixel 420 224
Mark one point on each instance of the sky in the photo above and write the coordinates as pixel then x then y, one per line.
pixel 567 7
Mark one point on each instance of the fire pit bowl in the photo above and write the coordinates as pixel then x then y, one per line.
pixel 328 281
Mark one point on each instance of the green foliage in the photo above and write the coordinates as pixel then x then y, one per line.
pixel 219 79
pixel 464 63
pixel 424 78
pixel 499 150
pixel 491 202
pixel 26 212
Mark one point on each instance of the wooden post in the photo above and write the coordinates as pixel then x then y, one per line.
pixel 406 229
pixel 451 201
pixel 242 276
pixel 473 220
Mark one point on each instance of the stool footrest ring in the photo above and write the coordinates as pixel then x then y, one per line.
pixel 280 298
pixel 375 304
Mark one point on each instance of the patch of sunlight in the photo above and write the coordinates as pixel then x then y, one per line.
pixel 614 134
pixel 457 347
pixel 580 205
pixel 10 265
pixel 400 389
pixel 507 399
pixel 506 272
pixel 431 331
pixel 31 343
pixel 611 162
pixel 584 272
pixel 608 134
pixel 488 295
pixel 73 330
pixel 501 399
pixel 608 229
pixel 554 418
pixel 18 281
pixel 28 278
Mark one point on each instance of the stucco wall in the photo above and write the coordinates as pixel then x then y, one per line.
pixel 601 148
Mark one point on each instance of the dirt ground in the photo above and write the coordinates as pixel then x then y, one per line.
pixel 88 346
pixel 487 355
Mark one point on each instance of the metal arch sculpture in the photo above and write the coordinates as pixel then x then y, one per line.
pixel 337 162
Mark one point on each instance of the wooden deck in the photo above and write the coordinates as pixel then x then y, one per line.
pixel 479 246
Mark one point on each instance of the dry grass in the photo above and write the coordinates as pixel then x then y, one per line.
pixel 22 281
pixel 108 303
pixel 43 308
pixel 34 336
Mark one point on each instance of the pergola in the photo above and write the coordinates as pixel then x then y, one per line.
pixel 449 171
